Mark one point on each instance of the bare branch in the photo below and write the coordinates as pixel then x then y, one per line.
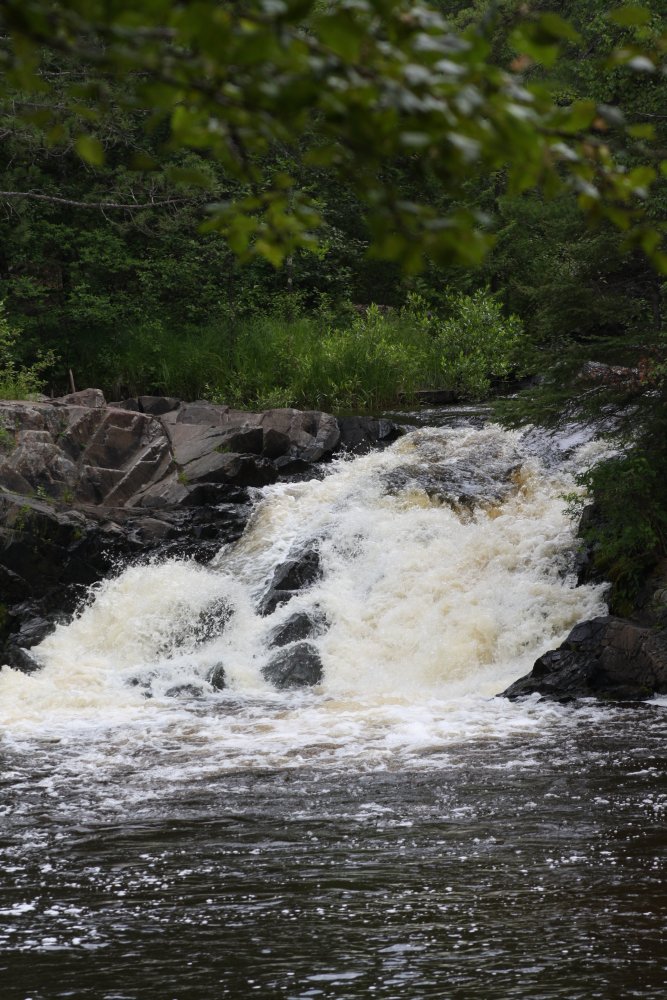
pixel 99 205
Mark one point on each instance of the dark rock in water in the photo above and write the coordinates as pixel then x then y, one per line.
pixel 273 600
pixel 296 666
pixel 30 633
pixel 290 577
pixel 607 657
pixel 184 691
pixel 298 626
pixel 21 659
pixel 295 574
pixel 359 434
pixel 216 677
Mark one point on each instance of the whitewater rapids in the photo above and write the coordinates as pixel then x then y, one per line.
pixel 447 568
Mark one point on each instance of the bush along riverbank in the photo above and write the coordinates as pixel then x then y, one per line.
pixel 354 358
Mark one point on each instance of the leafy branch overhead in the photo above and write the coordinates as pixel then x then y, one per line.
pixel 352 89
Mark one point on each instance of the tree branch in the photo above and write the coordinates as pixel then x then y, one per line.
pixel 100 205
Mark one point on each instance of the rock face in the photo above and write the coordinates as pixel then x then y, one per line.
pixel 607 657
pixel 85 484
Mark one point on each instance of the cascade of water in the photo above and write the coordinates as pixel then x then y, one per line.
pixel 445 569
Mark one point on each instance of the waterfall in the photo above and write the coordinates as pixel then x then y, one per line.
pixel 445 569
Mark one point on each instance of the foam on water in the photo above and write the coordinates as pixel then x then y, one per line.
pixel 447 568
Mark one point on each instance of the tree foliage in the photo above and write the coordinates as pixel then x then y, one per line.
pixel 351 88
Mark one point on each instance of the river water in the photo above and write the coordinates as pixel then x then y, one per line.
pixel 396 831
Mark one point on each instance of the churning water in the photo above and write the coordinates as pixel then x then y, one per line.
pixel 395 831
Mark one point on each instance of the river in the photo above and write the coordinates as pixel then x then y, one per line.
pixel 396 831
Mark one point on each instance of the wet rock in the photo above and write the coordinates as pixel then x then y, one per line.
pixel 301 625
pixel 607 657
pixel 21 659
pixel 313 435
pixel 289 578
pixel 209 623
pixel 359 434
pixel 295 666
pixel 184 691
pixel 216 467
pixel 216 677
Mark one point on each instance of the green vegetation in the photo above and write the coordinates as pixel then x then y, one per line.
pixel 7 440
pixel 159 160
pixel 361 359
pixel 18 381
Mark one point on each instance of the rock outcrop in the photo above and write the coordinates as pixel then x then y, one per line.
pixel 608 657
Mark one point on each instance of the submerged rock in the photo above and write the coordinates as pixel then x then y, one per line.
pixel 607 657
pixel 216 677
pixel 291 577
pixel 184 691
pixel 295 666
pixel 301 625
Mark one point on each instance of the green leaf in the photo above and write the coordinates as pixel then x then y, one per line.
pixel 142 161
pixel 628 17
pixel 90 149
pixel 274 254
pixel 189 176
pixel 641 131
pixel 553 26
pixel 342 34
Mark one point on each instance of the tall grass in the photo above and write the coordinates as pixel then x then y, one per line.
pixel 363 360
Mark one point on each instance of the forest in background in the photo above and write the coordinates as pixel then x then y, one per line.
pixel 138 299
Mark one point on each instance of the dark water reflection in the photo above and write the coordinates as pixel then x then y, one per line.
pixel 517 868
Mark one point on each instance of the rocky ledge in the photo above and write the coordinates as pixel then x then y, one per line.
pixel 86 485
pixel 610 658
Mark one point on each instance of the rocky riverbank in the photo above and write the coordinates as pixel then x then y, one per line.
pixel 86 485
